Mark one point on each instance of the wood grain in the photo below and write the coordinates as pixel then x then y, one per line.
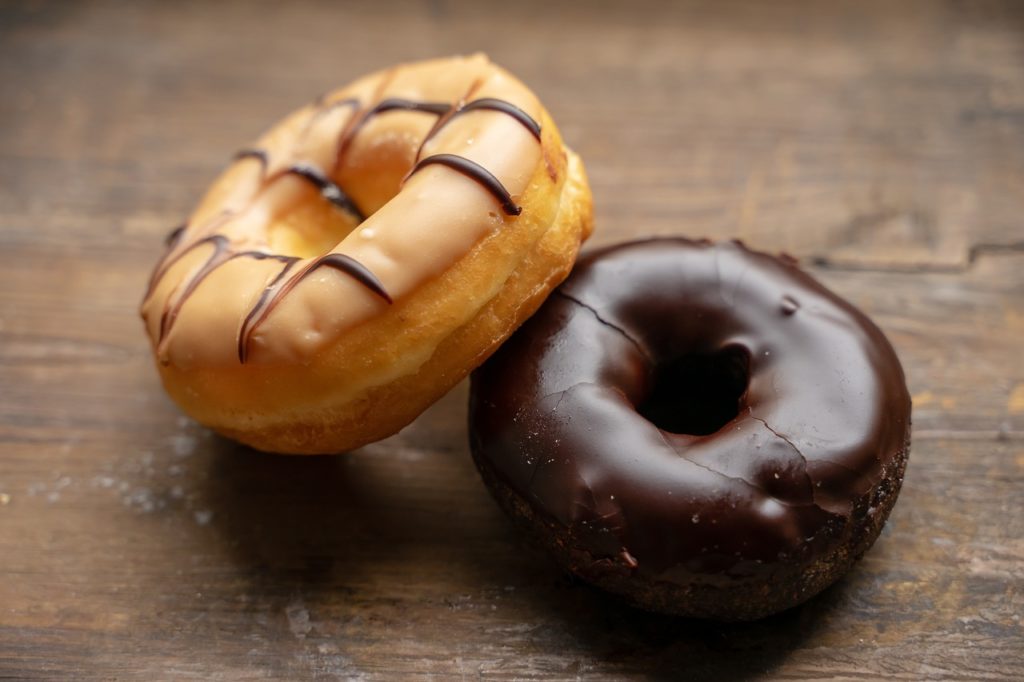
pixel 883 143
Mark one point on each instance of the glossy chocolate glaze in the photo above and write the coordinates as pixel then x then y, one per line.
pixel 223 251
pixel 824 414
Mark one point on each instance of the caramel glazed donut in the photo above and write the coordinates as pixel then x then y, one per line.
pixel 700 428
pixel 369 252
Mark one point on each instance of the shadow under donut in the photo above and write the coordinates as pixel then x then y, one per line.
pixel 398 518
pixel 402 537
pixel 623 639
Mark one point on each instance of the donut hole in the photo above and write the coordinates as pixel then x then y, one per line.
pixel 371 176
pixel 311 228
pixel 698 393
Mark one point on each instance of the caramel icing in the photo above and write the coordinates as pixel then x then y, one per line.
pixel 410 167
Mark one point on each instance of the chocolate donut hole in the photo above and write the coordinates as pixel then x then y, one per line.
pixel 698 393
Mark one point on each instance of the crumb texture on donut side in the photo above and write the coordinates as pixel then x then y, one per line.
pixel 545 266
pixel 341 274
pixel 790 584
pixel 736 518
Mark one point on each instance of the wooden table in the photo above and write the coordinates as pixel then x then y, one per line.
pixel 880 142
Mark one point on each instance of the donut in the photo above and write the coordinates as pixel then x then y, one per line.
pixel 700 428
pixel 364 255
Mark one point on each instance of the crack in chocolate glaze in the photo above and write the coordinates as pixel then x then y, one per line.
pixel 736 286
pixel 739 479
pixel 781 437
pixel 811 488
pixel 752 484
pixel 620 330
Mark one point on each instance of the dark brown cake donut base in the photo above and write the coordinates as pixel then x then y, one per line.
pixel 700 428
pixel 795 585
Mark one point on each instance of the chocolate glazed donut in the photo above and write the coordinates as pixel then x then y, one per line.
pixel 701 428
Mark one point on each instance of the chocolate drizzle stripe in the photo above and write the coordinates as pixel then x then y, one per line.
pixel 170 257
pixel 474 171
pixel 493 104
pixel 385 105
pixel 354 269
pixel 252 153
pixel 396 103
pixel 221 254
pixel 439 109
pixel 336 104
pixel 263 255
pixel 328 189
pixel 174 236
pixel 326 108
pixel 220 244
pixel 279 288
pixel 285 280
pixel 487 103
pixel 443 119
pixel 259 311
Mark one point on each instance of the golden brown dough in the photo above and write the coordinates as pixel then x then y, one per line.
pixel 365 255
